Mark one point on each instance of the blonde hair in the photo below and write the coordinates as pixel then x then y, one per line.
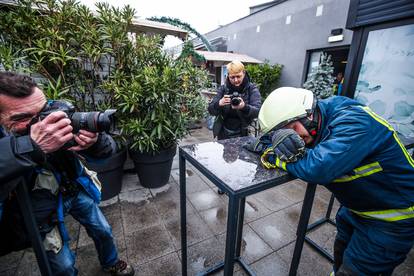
pixel 235 67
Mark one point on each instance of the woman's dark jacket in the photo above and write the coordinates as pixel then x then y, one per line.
pixel 231 119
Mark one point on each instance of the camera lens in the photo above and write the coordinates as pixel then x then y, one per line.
pixel 93 121
pixel 235 101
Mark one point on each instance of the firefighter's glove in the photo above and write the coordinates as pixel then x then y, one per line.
pixel 287 145
pixel 258 144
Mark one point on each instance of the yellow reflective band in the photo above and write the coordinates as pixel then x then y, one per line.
pixel 268 165
pixel 360 172
pixel 263 160
pixel 388 215
pixel 284 166
pixel 394 133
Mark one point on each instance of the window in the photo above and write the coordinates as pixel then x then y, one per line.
pixel 319 10
pixel 288 19
pixel 258 29
pixel 386 80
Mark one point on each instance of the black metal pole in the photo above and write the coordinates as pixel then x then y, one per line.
pixel 240 220
pixel 329 210
pixel 183 215
pixel 302 227
pixel 232 217
pixel 31 226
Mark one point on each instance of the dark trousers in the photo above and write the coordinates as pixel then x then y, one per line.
pixel 370 247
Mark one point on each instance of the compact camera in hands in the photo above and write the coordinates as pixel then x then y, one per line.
pixel 235 98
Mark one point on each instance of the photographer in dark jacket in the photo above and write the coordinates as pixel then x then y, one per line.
pixel 56 178
pixel 236 104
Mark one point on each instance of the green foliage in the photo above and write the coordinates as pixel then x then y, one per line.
pixel 189 52
pixel 266 76
pixel 90 60
pixel 71 48
pixel 320 80
pixel 178 23
pixel 158 96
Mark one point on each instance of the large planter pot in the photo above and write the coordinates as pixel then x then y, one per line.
pixel 153 169
pixel 110 172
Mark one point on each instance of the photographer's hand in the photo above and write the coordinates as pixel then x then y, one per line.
pixel 85 139
pixel 240 106
pixel 225 100
pixel 52 132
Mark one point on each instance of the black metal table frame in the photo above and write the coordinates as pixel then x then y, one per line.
pixel 31 226
pixel 235 216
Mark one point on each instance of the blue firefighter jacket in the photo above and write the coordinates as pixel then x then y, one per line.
pixel 360 159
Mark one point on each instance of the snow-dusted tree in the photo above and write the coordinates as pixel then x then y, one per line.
pixel 320 80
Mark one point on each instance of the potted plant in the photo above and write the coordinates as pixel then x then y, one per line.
pixel 72 52
pixel 158 98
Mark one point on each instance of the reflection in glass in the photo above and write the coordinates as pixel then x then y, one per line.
pixel 386 79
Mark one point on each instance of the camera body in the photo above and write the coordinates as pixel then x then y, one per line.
pixel 235 98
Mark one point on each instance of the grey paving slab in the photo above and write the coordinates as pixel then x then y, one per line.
pixel 293 190
pixel 137 216
pixel 253 247
pixel 194 183
pixel 407 267
pixel 28 265
pixel 274 230
pixel 130 182
pixel 11 272
pixel 109 202
pixel 271 265
pixel 273 199
pixel 10 261
pixel 169 265
pixel 254 209
pixel 204 255
pixel 205 199
pixel 324 236
pixel 216 218
pixel 87 261
pixel 141 196
pixel 311 263
pixel 167 203
pixel 197 230
pixel 148 244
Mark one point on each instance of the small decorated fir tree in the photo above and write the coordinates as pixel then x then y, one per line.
pixel 320 80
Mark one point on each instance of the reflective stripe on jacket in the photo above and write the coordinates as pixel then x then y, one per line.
pixel 361 160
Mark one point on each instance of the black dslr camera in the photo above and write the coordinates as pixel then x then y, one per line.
pixel 94 121
pixel 235 98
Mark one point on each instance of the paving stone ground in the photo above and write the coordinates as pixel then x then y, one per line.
pixel 146 226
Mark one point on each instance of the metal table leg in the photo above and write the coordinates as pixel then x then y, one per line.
pixel 33 231
pixel 232 219
pixel 242 203
pixel 183 215
pixel 320 222
pixel 302 227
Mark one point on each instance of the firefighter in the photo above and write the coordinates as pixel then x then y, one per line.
pixel 358 156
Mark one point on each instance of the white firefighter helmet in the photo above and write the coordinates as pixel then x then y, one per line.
pixel 285 105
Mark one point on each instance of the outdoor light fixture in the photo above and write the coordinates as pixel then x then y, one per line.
pixel 336 31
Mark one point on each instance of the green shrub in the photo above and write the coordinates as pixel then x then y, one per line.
pixel 91 60
pixel 63 43
pixel 266 76
pixel 157 95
